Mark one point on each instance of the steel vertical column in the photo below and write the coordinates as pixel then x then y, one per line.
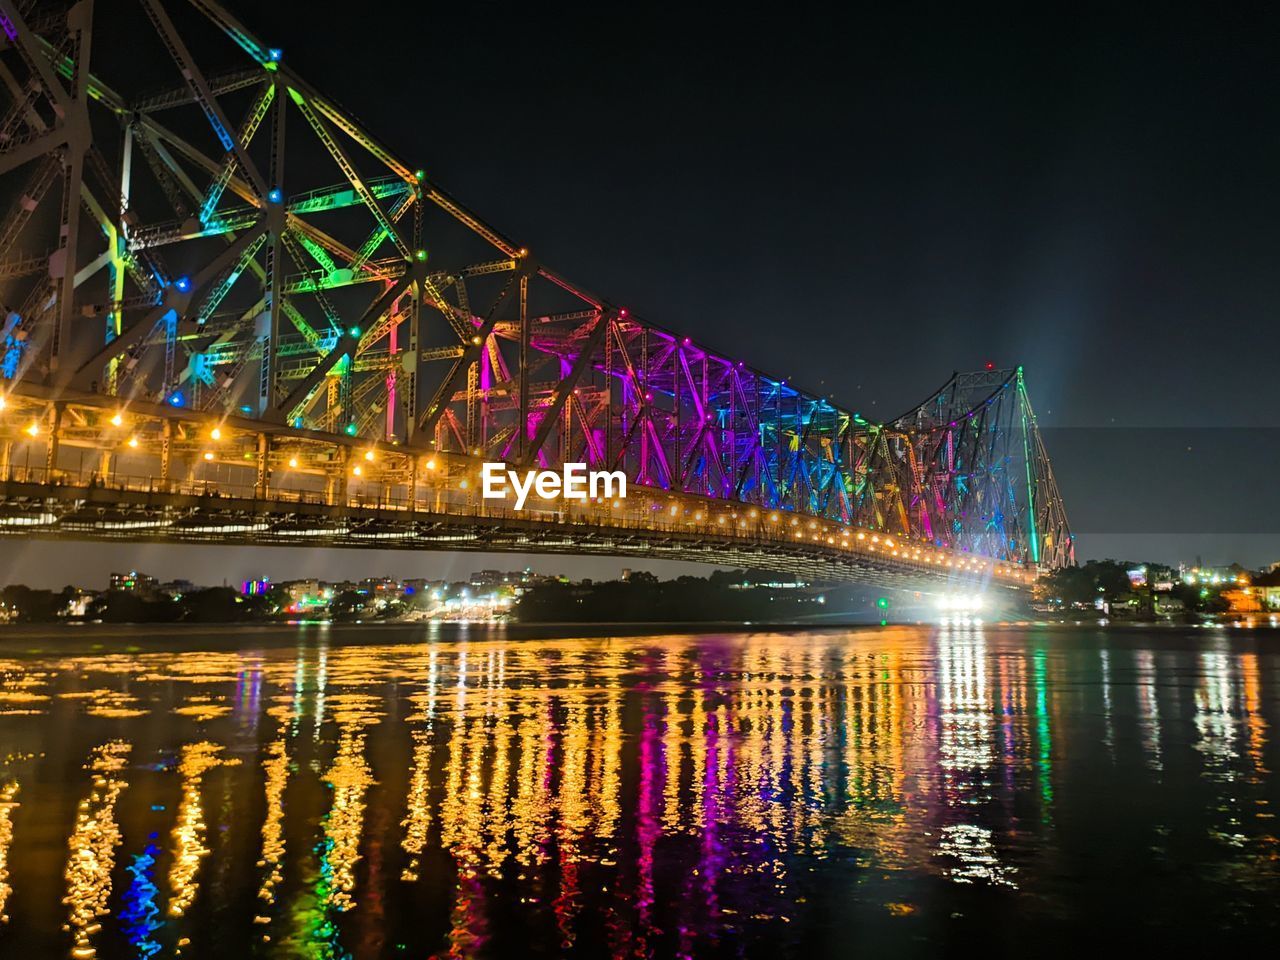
pixel 79 139
pixel 522 447
pixel 166 449
pixel 263 465
pixel 278 224
pixel 51 448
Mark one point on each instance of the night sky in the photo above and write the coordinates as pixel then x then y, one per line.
pixel 865 205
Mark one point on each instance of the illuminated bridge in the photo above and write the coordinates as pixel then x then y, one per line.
pixel 232 314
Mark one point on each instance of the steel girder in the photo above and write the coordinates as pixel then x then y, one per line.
pixel 226 273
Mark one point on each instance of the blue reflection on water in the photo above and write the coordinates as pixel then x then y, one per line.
pixel 139 918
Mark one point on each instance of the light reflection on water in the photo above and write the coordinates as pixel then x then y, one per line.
pixel 646 796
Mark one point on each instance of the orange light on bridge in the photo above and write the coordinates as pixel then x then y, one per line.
pixel 117 420
pixel 133 442
pixel 293 463
pixel 208 454
pixel 34 429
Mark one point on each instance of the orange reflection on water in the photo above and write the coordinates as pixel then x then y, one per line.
pixel 92 843
pixel 276 767
pixel 8 804
pixel 350 779
pixel 189 832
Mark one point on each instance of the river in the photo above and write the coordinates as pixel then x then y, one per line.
pixel 424 791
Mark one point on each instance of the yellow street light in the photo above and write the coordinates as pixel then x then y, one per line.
pixel 34 429
pixel 293 463
pixel 208 454
pixel 117 420
pixel 133 442
pixel 215 434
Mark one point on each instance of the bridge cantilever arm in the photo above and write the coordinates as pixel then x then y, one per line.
pixel 204 96
pixel 565 389
pixel 179 302
pixel 347 344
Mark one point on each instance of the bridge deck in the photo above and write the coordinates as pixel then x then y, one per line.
pixel 141 509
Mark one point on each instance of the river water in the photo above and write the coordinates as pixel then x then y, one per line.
pixel 413 792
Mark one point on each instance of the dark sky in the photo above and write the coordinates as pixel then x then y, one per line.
pixel 867 201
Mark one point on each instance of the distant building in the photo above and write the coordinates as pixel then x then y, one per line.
pixel 133 582
pixel 254 588
pixel 423 588
pixel 1243 600
pixel 1268 586
pixel 78 604
pixel 1214 577
pixel 177 588
pixel 300 590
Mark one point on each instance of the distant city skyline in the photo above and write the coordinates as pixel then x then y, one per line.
pixel 49 564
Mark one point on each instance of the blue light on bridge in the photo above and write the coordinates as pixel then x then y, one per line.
pixel 182 284
pixel 275 195
pixel 177 400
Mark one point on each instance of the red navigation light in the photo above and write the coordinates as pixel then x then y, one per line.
pixel 990 365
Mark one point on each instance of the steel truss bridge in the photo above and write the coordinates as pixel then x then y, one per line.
pixel 232 314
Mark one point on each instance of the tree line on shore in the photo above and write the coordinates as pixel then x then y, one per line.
pixel 729 596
